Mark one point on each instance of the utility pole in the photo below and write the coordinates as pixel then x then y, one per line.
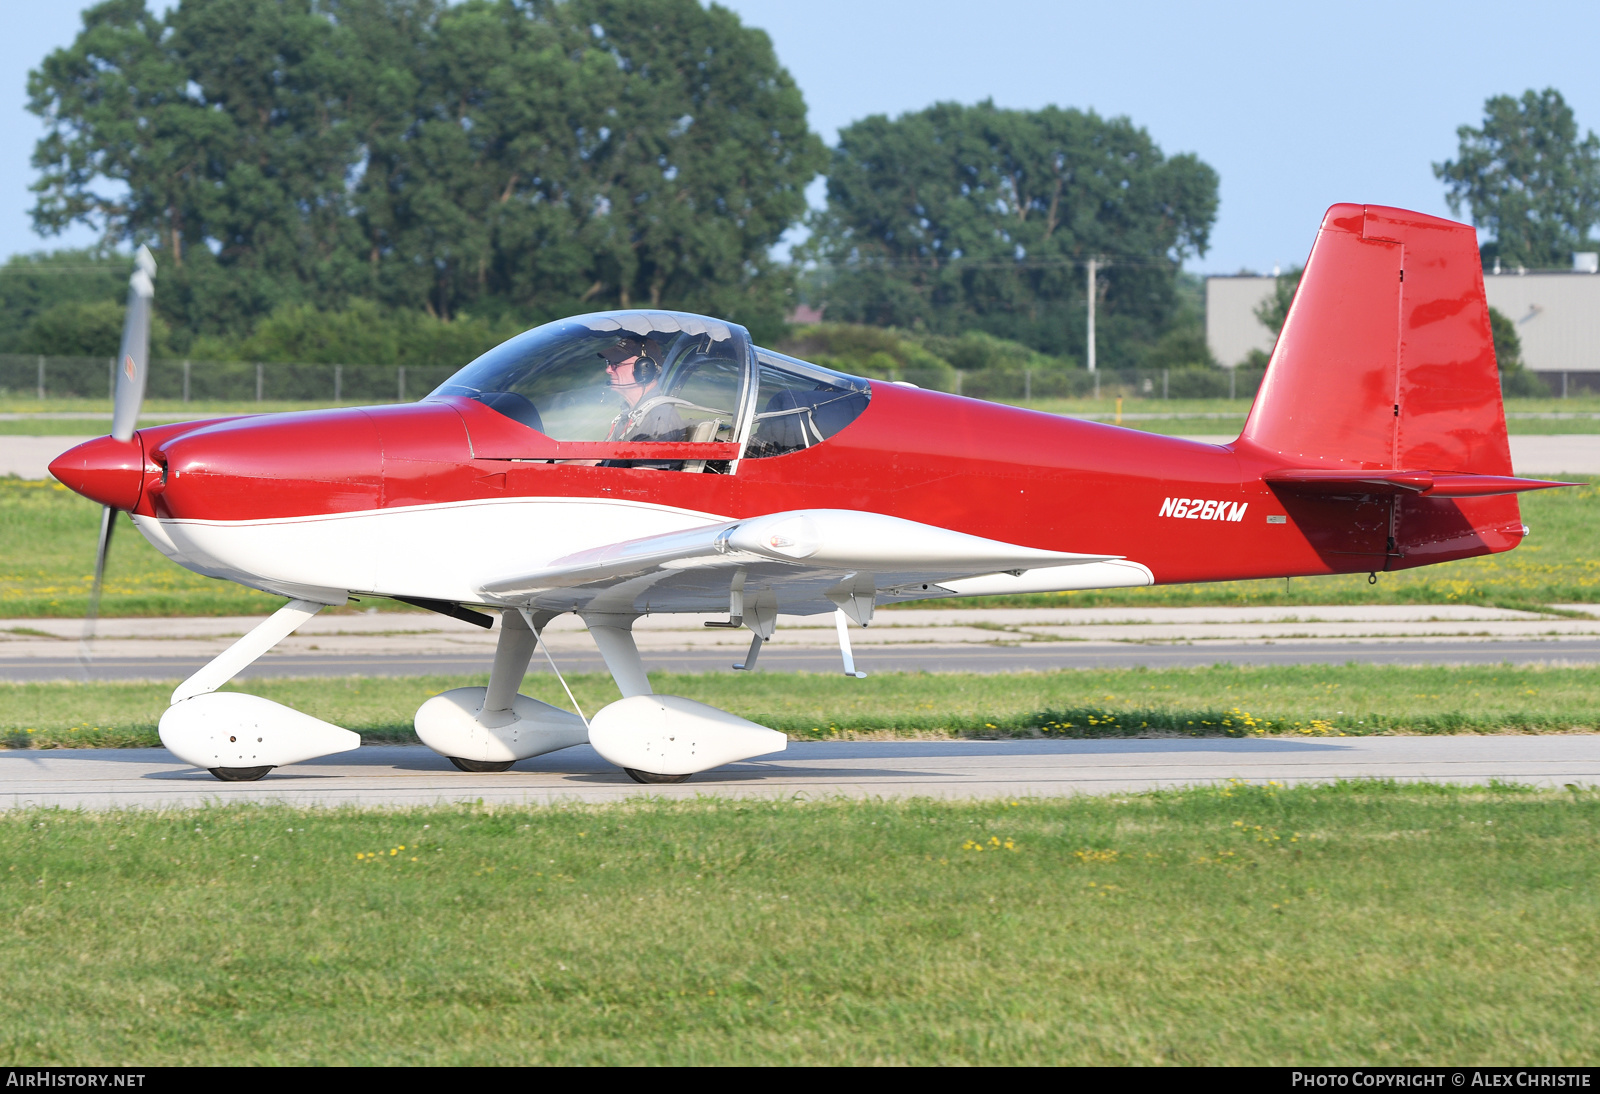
pixel 1094 264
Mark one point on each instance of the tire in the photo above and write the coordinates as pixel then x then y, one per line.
pixel 240 774
pixel 481 767
pixel 651 777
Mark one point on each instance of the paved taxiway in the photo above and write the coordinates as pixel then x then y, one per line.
pixel 414 776
pixel 928 658
pixel 923 640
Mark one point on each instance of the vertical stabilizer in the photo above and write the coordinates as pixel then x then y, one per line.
pixel 1386 360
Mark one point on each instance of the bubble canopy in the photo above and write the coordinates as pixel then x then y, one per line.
pixel 554 378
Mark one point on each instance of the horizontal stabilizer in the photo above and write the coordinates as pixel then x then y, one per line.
pixel 1432 484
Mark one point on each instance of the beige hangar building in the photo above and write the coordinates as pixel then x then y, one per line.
pixel 1557 314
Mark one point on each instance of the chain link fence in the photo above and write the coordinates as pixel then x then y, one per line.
pixel 221 381
pixel 1569 384
pixel 1024 385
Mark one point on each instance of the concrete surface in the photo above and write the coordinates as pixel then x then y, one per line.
pixel 415 776
pixel 931 640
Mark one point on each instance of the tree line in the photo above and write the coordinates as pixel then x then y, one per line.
pixel 410 181
pixel 489 157
pixel 497 163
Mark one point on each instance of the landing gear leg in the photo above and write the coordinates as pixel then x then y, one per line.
pixel 613 634
pixel 512 653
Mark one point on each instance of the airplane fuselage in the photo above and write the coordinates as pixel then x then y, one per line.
pixel 433 499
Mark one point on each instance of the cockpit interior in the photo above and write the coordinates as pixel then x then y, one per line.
pixel 595 378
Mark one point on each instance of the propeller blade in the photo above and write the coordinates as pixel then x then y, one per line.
pixel 133 364
pixel 133 370
pixel 108 524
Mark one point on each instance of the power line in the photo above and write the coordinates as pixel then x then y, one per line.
pixel 118 270
pixel 1102 258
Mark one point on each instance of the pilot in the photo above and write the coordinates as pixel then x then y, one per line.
pixel 633 370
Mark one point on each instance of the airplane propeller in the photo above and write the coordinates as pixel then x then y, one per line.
pixel 133 370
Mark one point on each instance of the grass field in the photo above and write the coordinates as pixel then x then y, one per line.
pixel 1222 700
pixel 1345 924
pixel 47 542
pixel 47 538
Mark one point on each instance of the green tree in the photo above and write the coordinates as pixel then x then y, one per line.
pixel 499 156
pixel 86 328
pixel 1507 344
pixel 1528 179
pixel 1515 380
pixel 604 152
pixel 973 217
pixel 870 351
pixel 32 284
pixel 976 351
pixel 222 134
pixel 364 333
pixel 1273 312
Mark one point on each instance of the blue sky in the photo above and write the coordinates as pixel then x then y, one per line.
pixel 1297 106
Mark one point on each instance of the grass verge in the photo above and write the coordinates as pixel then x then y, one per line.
pixel 1220 700
pixel 1343 924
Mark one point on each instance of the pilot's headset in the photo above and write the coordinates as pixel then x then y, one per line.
pixel 647 367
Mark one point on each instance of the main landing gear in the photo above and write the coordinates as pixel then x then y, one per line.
pixel 487 729
pixel 655 739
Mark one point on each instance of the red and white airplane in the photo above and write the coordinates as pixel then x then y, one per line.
pixel 624 463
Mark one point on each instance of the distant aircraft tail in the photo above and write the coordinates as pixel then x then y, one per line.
pixel 1383 386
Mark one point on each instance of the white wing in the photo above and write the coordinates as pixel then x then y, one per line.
pixel 807 561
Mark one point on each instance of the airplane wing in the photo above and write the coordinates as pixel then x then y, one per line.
pixel 802 563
